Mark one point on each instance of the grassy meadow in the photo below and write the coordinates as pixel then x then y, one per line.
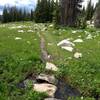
pixel 20 55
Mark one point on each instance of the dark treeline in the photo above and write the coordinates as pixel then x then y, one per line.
pixel 61 12
pixel 64 12
pixel 97 15
pixel 12 14
pixel 44 11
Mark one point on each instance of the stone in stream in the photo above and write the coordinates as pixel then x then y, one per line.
pixel 42 78
pixel 49 89
pixel 51 66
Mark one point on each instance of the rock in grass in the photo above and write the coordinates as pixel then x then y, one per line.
pixel 65 42
pixel 70 49
pixel 49 89
pixel 30 31
pixel 18 38
pixel 51 66
pixel 51 99
pixel 46 78
pixel 21 31
pixel 78 55
pixel 78 41
pixel 89 37
pixel 74 32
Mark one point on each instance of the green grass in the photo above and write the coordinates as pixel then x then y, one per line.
pixel 19 58
pixel 82 73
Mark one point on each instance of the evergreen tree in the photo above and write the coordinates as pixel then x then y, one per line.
pixel 32 15
pixel 69 10
pixel 89 11
pixel 5 15
pixel 56 13
pixel 12 14
pixel 82 19
pixel 97 15
pixel 44 11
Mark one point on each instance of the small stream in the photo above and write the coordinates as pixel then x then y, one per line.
pixel 65 90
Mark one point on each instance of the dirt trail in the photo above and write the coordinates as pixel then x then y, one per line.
pixel 64 90
pixel 44 54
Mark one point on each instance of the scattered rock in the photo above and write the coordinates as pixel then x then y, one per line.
pixel 44 29
pixel 78 55
pixel 74 32
pixel 46 78
pixel 51 99
pixel 30 31
pixel 49 89
pixel 51 25
pixel 89 36
pixel 79 36
pixel 67 48
pixel 18 38
pixel 50 66
pixel 78 40
pixel 49 56
pixel 50 44
pixel 65 42
pixel 20 31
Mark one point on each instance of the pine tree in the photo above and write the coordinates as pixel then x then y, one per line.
pixel 44 11
pixel 56 13
pixel 70 9
pixel 89 11
pixel 32 15
pixel 5 15
pixel 97 15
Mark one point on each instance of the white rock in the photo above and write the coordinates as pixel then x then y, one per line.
pixel 18 38
pixel 67 48
pixel 49 56
pixel 50 66
pixel 48 78
pixel 74 32
pixel 50 44
pixel 78 40
pixel 19 26
pixel 51 25
pixel 30 31
pixel 78 55
pixel 79 36
pixel 89 36
pixel 44 29
pixel 45 87
pixel 65 42
pixel 88 22
pixel 51 99
pixel 20 31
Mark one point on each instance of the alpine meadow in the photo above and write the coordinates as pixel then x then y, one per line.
pixel 50 52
